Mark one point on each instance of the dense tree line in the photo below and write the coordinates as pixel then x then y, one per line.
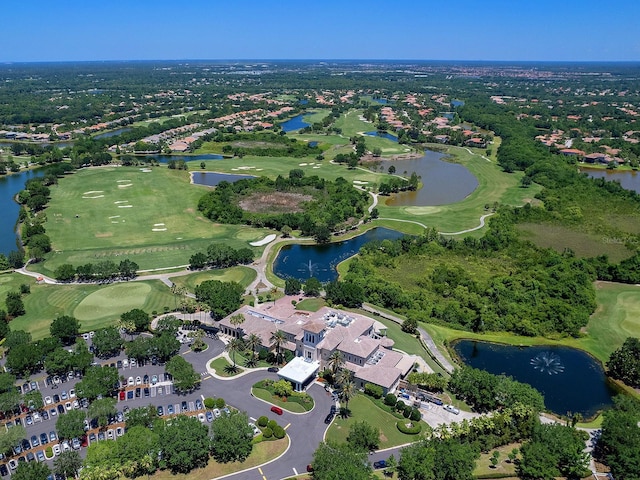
pixel 220 256
pixel 104 271
pixel 264 144
pixel 332 203
pixel 624 363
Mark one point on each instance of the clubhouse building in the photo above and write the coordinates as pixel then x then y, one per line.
pixel 314 336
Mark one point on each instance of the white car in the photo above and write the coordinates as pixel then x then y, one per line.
pixel 201 417
pixel 48 400
pixel 125 363
pixel 110 434
pixel 452 409
pixel 216 413
pixel 256 430
pixel 56 449
pixel 72 393
pixel 131 381
pixel 138 380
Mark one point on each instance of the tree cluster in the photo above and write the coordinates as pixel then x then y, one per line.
pixel 220 256
pixel 105 271
pixel 624 363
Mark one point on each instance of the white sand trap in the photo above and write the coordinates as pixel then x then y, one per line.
pixel 317 166
pixel 158 224
pixel 92 192
pixel 158 229
pixel 125 206
pixel 246 168
pixel 259 169
pixel 359 182
pixel 114 216
pixel 125 186
pixel 303 164
pixel 264 241
pixel 113 221
pixel 145 170
pixel 123 181
pixel 121 201
pixel 235 169
pixel 95 196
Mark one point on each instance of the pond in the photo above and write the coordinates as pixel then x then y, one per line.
pixel 457 103
pixel 160 158
pixel 627 178
pixel 570 379
pixel 386 135
pixel 442 182
pixel 320 261
pixel 112 133
pixel 295 123
pixel 211 179
pixel 10 185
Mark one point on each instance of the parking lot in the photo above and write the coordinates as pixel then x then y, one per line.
pixel 140 385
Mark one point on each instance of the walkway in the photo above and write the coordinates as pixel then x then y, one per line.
pixel 436 354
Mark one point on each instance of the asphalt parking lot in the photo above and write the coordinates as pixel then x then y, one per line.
pixel 141 385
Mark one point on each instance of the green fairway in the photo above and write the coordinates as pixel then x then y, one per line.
pixel 146 215
pixel 243 275
pixel 95 306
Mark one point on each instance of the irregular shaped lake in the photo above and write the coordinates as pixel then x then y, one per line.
pixel 211 179
pixel 320 261
pixel 295 123
pixel 627 178
pixel 442 182
pixel 570 379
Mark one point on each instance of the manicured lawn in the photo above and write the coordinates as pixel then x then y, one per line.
pixel 268 397
pixel 95 306
pixel 243 275
pixel 262 452
pixel 312 304
pixel 219 365
pixel 150 217
pixel 364 409
pixel 504 467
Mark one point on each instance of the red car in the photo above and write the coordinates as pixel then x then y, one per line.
pixel 122 394
pixel 276 410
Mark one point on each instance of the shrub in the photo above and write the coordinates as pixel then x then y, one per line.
pixel 406 412
pixel 390 399
pixel 48 452
pixel 415 415
pixel 267 432
pixel 411 429
pixel 209 402
pixel 400 405
pixel 272 424
pixel 263 353
pixel 278 432
pixel 373 390
pixel 220 403
pixel 262 421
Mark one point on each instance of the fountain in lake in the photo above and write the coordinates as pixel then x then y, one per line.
pixel 547 362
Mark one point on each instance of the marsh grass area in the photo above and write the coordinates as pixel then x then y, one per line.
pixel 262 452
pixel 147 215
pixel 584 244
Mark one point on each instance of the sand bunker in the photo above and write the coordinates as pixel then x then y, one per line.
pixel 121 201
pixel 123 181
pixel 95 196
pixel 264 241
pixel 245 168
pixel 125 206
pixel 114 216
pixel 317 166
pixel 125 186
pixel 158 229
pixel 92 192
pixel 145 170
pixel 303 164
pixel 158 224
pixel 360 182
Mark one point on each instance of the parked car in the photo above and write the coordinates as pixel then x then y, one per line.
pixel 154 379
pixel 92 437
pixel 4 471
pixel 209 416
pixel 328 419
pixel 60 408
pixel 199 405
pixel 131 381
pixel 276 410
pixel 119 364
pixel 122 395
pixel 44 439
pixel 34 441
pixel 145 379
pixel 273 369
pixel 216 413
pixel 48 400
pixel 380 464
pixel 170 409
pixel 75 444
pixel 53 436
pixel 30 457
pixel 452 409
pixel 201 417
pixel 63 395
pixel 138 380
pixel 185 407
pixel 138 392
pixel 129 394
pixel 40 456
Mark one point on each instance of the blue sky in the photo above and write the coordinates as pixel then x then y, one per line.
pixel 556 30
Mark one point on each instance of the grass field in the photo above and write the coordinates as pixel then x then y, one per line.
pixel 149 217
pixel 95 306
pixel 584 244
pixel 243 275
pixel 363 409
pixel 504 467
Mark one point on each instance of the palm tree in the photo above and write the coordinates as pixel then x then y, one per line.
pixel 347 393
pixel 278 338
pixel 253 341
pixel 335 363
pixel 235 345
pixel 237 319
pixel 344 376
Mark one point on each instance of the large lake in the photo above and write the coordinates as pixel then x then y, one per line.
pixel 10 185
pixel 320 261
pixel 211 179
pixel 569 379
pixel 442 182
pixel 627 178
pixel 295 123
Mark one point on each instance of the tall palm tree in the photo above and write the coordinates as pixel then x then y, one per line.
pixel 237 319
pixel 335 363
pixel 344 376
pixel 235 345
pixel 253 341
pixel 347 393
pixel 278 338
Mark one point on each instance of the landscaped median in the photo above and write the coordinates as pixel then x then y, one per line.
pixel 363 408
pixel 279 394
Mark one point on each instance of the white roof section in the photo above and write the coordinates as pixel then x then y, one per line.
pixel 298 370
